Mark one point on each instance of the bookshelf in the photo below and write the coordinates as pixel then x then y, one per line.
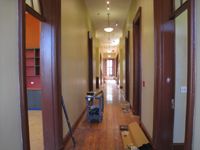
pixel 33 78
pixel 33 68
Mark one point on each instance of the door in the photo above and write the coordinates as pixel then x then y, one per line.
pixel 90 63
pixel 127 66
pixel 164 91
pixel 137 64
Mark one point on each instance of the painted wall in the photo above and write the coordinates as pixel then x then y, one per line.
pixel 32 31
pixel 196 137
pixel 181 77
pixel 10 119
pixel 75 24
pixel 147 58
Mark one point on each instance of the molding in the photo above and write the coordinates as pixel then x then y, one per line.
pixel 74 128
pixel 35 14
pixel 146 132
pixel 22 75
pixel 191 75
pixel 180 10
pixel 178 146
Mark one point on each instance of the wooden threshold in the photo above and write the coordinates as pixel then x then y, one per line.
pixel 74 127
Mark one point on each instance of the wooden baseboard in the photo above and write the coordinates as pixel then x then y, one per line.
pixel 178 146
pixel 146 132
pixel 74 127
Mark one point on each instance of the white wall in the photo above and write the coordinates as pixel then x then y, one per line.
pixel 75 24
pixel 10 127
pixel 147 57
pixel 196 137
pixel 181 77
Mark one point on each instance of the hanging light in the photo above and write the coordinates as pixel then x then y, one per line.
pixel 108 29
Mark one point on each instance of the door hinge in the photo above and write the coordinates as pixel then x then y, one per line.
pixel 172 104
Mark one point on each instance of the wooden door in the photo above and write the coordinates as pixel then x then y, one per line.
pixel 137 64
pixel 127 66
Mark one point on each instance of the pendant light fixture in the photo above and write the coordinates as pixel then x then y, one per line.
pixel 108 29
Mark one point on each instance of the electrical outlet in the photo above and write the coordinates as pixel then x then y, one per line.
pixel 183 89
pixel 32 82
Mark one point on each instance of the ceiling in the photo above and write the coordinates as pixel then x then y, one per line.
pixel 98 13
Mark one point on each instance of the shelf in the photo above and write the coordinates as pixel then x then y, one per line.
pixel 33 67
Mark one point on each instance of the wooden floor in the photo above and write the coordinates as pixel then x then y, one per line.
pixel 104 135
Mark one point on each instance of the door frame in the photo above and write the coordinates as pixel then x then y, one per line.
pixel 127 65
pixel 50 74
pixel 137 63
pixel 165 75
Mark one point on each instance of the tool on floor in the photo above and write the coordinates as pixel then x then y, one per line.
pixel 67 118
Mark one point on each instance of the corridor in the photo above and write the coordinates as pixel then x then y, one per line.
pixel 104 135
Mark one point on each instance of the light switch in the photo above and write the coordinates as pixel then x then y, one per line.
pixel 183 89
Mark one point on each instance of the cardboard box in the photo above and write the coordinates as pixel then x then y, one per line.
pixel 135 136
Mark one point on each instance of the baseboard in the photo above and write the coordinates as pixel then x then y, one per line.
pixel 178 146
pixel 146 132
pixel 74 127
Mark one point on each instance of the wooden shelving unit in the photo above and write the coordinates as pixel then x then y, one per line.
pixel 33 78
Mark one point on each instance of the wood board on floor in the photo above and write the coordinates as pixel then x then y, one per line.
pixel 135 136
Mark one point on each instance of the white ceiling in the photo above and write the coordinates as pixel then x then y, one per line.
pixel 118 12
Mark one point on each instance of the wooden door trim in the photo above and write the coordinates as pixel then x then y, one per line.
pixel 191 75
pixel 136 109
pixel 22 75
pixel 127 64
pixel 164 76
pixel 51 74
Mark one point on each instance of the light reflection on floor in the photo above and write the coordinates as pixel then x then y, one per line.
pixel 109 91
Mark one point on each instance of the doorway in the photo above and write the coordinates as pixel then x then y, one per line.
pixel 164 89
pixel 34 82
pixel 50 72
pixel 90 62
pixel 137 64
pixel 127 65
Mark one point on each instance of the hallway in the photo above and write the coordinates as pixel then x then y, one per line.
pixel 104 135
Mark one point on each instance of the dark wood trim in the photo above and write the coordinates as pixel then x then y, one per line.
pixel 178 146
pixel 97 82
pixel 164 80
pixel 50 49
pixel 22 74
pixel 146 132
pixel 180 10
pixel 127 65
pixel 191 75
pixel 67 138
pixel 137 63
pixel 90 62
pixel 34 13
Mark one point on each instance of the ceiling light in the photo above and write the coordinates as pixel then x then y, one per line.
pixel 116 24
pixel 108 8
pixel 108 29
pixel 108 2
pixel 109 56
